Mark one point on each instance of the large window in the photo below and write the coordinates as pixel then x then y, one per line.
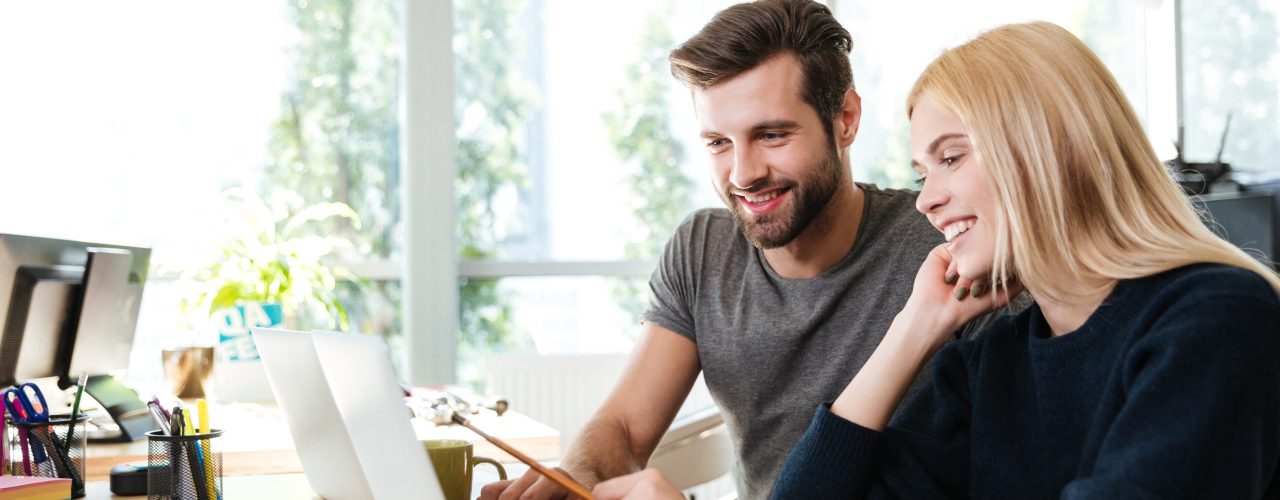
pixel 1231 68
pixel 574 152
pixel 578 152
pixel 576 156
pixel 127 123
pixel 894 41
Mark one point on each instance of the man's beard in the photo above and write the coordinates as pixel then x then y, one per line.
pixel 808 199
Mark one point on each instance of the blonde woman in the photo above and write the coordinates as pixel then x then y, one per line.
pixel 1149 366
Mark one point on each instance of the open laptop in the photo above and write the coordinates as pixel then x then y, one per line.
pixel 340 396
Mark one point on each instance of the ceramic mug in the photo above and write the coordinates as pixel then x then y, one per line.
pixel 189 371
pixel 453 460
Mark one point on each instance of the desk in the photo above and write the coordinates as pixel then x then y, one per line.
pixel 294 485
pixel 257 441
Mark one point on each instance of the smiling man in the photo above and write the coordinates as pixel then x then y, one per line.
pixel 780 298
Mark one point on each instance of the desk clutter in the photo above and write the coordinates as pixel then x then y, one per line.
pixel 182 458
pixel 39 445
pixel 439 404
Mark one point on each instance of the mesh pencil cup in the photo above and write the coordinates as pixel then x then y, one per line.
pixel 185 467
pixel 41 449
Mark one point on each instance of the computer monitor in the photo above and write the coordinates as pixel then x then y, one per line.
pixel 1246 219
pixel 40 298
pixel 1269 186
pixel 69 307
pixel 101 335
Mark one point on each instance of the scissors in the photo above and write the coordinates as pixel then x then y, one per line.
pixel 27 405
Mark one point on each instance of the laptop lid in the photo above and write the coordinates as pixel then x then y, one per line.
pixel 340 397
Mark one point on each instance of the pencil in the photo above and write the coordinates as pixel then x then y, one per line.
pixel 555 476
pixel 75 412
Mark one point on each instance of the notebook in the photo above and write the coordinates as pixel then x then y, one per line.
pixel 34 488
pixel 340 396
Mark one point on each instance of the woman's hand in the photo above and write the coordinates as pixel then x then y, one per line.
pixel 942 301
pixel 940 304
pixel 644 485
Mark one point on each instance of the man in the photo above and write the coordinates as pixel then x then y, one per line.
pixel 780 298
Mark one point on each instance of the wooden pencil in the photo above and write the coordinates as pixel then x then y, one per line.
pixel 555 476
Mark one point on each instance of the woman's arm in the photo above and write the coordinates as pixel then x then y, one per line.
pixel 923 455
pixel 838 456
pixel 935 310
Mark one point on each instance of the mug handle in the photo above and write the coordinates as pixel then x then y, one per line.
pixel 502 473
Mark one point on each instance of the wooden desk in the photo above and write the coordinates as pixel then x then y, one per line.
pixel 294 485
pixel 273 486
pixel 257 441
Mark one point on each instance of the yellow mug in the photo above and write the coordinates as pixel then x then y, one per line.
pixel 453 461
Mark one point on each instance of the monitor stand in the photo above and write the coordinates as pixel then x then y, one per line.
pixel 127 411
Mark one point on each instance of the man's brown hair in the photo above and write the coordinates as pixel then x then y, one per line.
pixel 743 36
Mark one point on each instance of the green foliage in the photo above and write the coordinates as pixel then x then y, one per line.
pixel 491 107
pixel 336 143
pixel 337 139
pixel 267 259
pixel 640 131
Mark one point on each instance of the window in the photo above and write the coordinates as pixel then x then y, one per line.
pixel 893 42
pixel 125 123
pixel 577 149
pixel 1231 68
pixel 574 151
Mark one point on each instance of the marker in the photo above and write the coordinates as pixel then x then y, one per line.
pixel 206 449
pixel 203 408
pixel 175 422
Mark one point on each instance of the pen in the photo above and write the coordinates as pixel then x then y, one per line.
pixel 75 412
pixel 158 415
pixel 175 449
pixel 62 464
pixel 155 399
pixel 4 464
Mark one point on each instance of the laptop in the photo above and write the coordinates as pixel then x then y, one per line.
pixel 341 399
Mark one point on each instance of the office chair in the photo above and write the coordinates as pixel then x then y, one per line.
pixel 695 450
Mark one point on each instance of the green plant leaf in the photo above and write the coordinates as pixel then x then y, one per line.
pixel 343 324
pixel 226 297
pixel 319 212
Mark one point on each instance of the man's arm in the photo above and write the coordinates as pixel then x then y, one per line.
pixel 623 433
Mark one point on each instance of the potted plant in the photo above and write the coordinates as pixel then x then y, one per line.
pixel 271 271
pixel 269 258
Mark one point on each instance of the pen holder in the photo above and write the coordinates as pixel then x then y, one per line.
pixel 186 467
pixel 40 449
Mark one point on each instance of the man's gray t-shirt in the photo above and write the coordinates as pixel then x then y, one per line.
pixel 773 348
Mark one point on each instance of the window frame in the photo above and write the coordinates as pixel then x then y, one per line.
pixel 431 269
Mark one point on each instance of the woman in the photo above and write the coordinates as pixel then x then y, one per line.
pixel 1149 365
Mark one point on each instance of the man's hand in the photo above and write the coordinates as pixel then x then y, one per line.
pixel 625 430
pixel 648 484
pixel 530 486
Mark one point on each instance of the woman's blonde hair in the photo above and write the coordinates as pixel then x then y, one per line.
pixel 1082 199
